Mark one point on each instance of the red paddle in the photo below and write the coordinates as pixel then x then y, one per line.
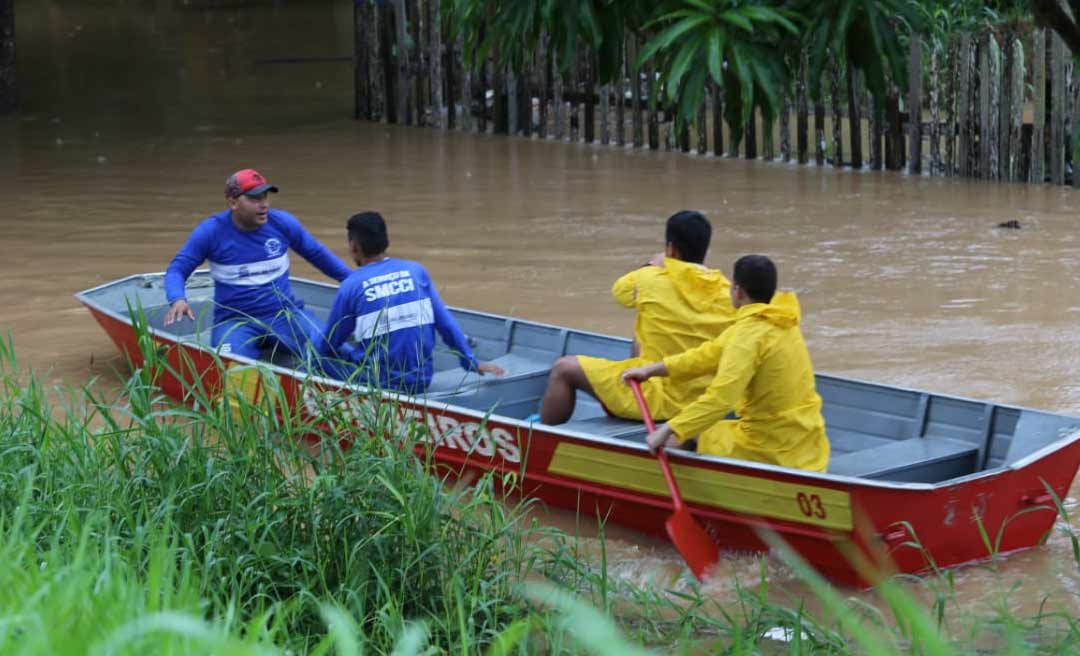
pixel 695 545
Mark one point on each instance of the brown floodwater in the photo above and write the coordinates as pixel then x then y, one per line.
pixel 134 118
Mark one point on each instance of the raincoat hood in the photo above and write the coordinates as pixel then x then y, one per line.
pixel 783 311
pixel 703 289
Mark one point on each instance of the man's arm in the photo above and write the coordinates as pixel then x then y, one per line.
pixel 736 370
pixel 448 328
pixel 698 361
pixel 340 323
pixel 313 250
pixel 625 289
pixel 193 253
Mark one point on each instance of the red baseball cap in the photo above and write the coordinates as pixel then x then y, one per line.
pixel 247 182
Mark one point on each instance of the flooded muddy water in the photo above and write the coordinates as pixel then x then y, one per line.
pixel 131 127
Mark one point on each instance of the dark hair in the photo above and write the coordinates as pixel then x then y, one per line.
pixel 756 274
pixel 369 230
pixel 689 232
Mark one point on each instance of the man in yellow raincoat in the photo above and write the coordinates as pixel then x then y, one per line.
pixel 680 303
pixel 762 372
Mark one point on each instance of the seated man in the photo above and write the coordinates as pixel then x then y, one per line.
pixel 381 329
pixel 762 372
pixel 248 249
pixel 680 303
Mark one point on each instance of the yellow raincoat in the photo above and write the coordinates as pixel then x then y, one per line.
pixel 765 376
pixel 679 306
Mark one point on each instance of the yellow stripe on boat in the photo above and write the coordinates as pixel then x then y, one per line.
pixel 751 495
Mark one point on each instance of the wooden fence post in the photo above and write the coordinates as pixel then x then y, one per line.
pixel 768 141
pixel 574 127
pixel 1005 111
pixel 914 106
pixel 894 135
pixel 802 118
pixel 935 110
pixel 953 71
pixel 785 126
pixel 1016 109
pixel 435 65
pixel 361 59
pixel 499 105
pixel 854 117
pixel 1058 89
pixel 526 88
pixel 389 64
pixel 702 129
pixel 9 91
pixel 620 99
pixel 544 65
pixel 837 118
pixel 717 118
pixel 635 94
pixel 605 118
pixel 512 99
pixel 963 102
pixel 751 136
pixel 1038 136
pixel 654 91
pixel 1074 124
pixel 589 80
pixel 875 130
pixel 819 129
pixel 995 82
pixel 986 137
pixel 557 96
pixel 401 84
pixel 465 92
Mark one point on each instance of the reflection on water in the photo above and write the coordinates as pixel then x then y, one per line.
pixel 133 122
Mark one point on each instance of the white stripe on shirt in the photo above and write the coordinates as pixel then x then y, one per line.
pixel 250 274
pixel 407 315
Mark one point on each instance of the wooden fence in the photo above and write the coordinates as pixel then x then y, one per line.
pixel 9 99
pixel 991 105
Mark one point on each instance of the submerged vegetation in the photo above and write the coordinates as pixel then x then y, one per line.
pixel 134 526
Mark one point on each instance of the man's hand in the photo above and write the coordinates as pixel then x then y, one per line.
pixel 661 438
pixel 642 374
pixel 490 368
pixel 178 311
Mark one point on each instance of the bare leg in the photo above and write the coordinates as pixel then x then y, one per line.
pixel 566 378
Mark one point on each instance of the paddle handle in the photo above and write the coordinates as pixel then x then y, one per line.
pixel 661 455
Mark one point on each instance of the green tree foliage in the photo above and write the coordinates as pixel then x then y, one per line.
pixel 731 42
pixel 745 46
pixel 865 34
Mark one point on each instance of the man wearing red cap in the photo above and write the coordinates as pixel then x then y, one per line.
pixel 247 246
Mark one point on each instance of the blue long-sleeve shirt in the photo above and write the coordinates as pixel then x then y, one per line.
pixel 250 268
pixel 384 319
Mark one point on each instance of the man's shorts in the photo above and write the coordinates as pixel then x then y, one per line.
pixel 605 378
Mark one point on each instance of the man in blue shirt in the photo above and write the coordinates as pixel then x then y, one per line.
pixel 248 249
pixel 381 329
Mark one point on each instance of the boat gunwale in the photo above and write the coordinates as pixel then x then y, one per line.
pixel 677 456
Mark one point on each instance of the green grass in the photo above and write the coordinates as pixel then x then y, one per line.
pixel 131 525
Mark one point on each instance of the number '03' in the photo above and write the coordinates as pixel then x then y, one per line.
pixel 810 505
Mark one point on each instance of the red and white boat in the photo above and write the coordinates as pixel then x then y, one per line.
pixel 907 466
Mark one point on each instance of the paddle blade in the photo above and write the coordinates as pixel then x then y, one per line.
pixel 695 545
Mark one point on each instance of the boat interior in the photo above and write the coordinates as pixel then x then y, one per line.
pixel 875 431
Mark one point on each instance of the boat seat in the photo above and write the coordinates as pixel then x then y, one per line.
pixel 455 379
pixel 846 441
pixel 608 427
pixel 924 460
